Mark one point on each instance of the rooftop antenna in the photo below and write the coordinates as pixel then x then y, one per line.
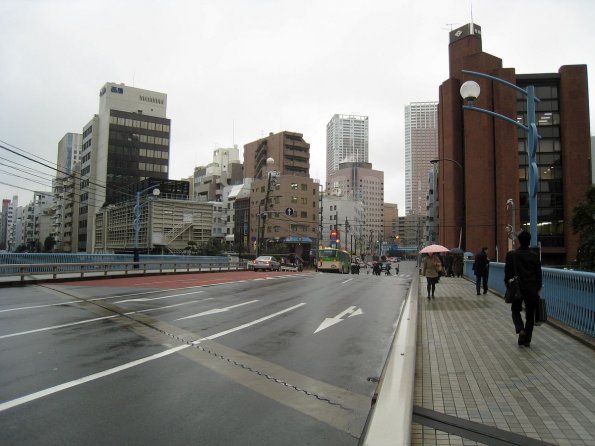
pixel 233 133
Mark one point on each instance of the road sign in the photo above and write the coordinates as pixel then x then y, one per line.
pixel 289 211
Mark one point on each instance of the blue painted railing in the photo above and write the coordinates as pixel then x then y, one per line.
pixel 51 259
pixel 570 295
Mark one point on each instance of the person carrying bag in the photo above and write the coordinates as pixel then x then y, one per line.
pixel 525 265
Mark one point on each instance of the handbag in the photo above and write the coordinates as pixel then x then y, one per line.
pixel 513 287
pixel 541 311
pixel 437 265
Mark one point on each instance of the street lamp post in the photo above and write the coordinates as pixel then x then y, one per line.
pixel 470 91
pixel 436 161
pixel 136 223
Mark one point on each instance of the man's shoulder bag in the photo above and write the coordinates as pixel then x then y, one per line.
pixel 513 287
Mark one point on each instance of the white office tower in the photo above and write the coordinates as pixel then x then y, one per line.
pixel 125 143
pixel 346 141
pixel 421 146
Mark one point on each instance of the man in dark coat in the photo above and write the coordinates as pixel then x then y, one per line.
pixel 481 269
pixel 528 268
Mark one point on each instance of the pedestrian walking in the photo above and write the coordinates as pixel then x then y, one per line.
pixel 481 267
pixel 457 265
pixel 431 268
pixel 527 265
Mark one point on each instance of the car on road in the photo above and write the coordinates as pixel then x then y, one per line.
pixel 266 262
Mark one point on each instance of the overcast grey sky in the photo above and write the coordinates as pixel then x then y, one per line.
pixel 236 70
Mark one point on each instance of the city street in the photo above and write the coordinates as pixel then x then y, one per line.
pixel 248 358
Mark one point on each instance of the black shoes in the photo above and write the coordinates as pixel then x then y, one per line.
pixel 523 339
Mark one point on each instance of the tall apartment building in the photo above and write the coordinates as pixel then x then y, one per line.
pixel 362 183
pixel 346 141
pixel 14 224
pixel 126 142
pixel 421 146
pixel 494 156
pixel 66 193
pixel 270 219
pixel 289 150
pixel 4 223
pixel 286 157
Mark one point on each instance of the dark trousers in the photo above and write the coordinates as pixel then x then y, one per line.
pixel 431 286
pixel 517 319
pixel 479 280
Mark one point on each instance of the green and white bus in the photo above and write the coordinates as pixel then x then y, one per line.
pixel 335 260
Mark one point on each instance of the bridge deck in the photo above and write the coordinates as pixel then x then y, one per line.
pixel 469 366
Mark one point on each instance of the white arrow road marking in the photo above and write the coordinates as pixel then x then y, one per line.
pixel 215 310
pixel 330 321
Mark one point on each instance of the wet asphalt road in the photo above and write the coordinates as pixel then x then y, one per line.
pixel 210 359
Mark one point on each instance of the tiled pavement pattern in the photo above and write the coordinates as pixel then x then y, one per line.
pixel 468 365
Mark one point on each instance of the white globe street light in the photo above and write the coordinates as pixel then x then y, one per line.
pixel 470 91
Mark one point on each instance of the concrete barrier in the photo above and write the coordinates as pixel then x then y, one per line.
pixel 389 421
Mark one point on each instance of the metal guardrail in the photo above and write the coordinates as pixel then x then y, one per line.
pixel 42 271
pixel 570 295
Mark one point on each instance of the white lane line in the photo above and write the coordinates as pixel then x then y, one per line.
pixel 42 393
pixel 53 327
pixel 42 306
pixel 136 294
pixel 241 327
pixel 161 308
pixel 147 299
pixel 215 310
pixel 86 379
pixel 345 281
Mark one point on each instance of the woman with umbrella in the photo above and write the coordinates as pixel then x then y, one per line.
pixel 432 266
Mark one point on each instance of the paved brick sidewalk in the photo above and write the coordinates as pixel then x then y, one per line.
pixel 468 365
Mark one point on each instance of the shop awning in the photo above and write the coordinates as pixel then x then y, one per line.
pixel 297 239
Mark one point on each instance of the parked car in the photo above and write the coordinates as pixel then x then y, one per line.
pixel 266 262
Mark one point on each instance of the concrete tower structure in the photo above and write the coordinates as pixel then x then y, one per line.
pixel 494 157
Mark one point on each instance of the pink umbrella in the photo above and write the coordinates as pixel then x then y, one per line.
pixel 434 248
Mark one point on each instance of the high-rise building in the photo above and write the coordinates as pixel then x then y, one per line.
pixel 421 146
pixel 493 153
pixel 65 187
pixel 126 142
pixel 4 223
pixel 346 141
pixel 362 183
